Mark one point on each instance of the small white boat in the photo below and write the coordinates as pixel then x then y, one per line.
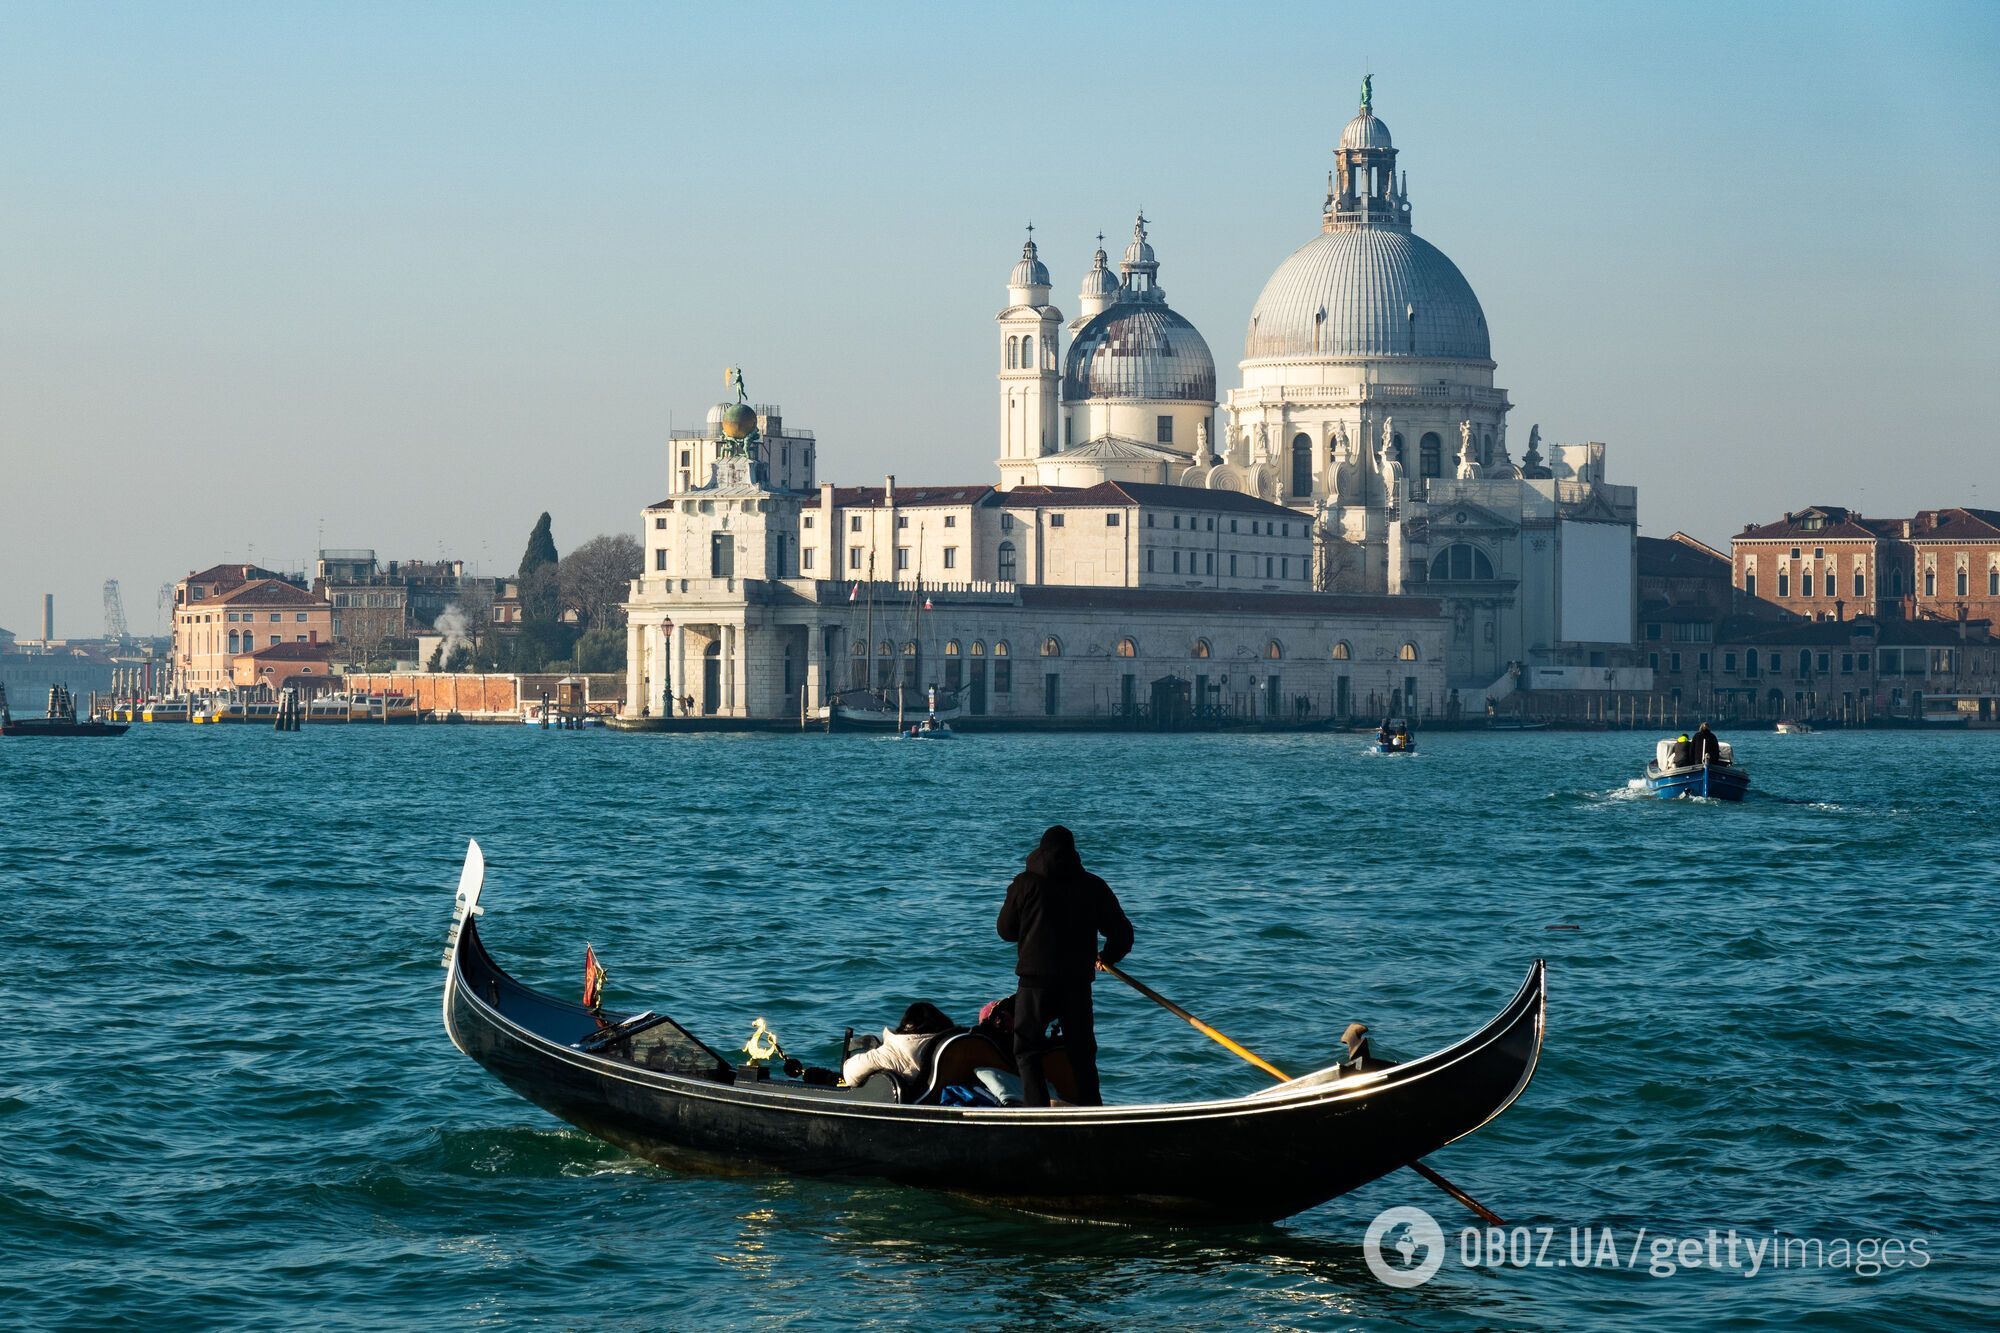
pixel 1790 728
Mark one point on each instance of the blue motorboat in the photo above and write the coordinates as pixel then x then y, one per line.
pixel 1720 779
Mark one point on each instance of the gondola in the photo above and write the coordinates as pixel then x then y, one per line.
pixel 649 1086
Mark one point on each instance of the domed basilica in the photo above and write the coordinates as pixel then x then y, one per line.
pixel 1367 401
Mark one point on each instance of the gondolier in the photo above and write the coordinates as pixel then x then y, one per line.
pixel 1054 912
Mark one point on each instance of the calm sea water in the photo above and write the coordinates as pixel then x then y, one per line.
pixel 226 1098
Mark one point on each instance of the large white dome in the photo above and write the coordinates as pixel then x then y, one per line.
pixel 1368 291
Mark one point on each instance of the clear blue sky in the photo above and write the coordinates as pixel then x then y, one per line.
pixel 402 276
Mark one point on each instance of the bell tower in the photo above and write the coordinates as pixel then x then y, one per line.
pixel 1029 386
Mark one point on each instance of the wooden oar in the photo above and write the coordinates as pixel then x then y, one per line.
pixel 1486 1214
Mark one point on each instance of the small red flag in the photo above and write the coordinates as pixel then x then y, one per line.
pixel 927 603
pixel 593 979
pixel 853 592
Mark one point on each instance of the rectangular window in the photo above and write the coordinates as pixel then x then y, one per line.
pixel 1177 562
pixel 1287 530
pixel 1003 675
pixel 1267 566
pixel 1784 584
pixel 721 555
pixel 1232 525
pixel 1750 584
pixel 1652 631
pixel 1653 661
pixel 1729 661
pixel 301 638
pixel 1674 663
pixel 854 522
pixel 951 557
pixel 1069 431
pixel 1177 522
pixel 1166 430
pixel 1993 582
pixel 1111 520
pixel 1930 583
pixel 1232 564
pixel 1055 520
pixel 1805 585
pixel 1962 589
pixel 1006 522
pixel 277 616
pixel 660 522
pixel 902 557
pixel 902 520
pixel 277 639
pixel 687 458
pixel 806 557
pixel 1284 566
pixel 1210 562
pixel 1701 662
pixel 1861 661
pixel 1051 694
pixel 854 557
pixel 1825 661
pixel 660 560
pixel 1150 520
pixel 951 520
pixel 1211 525
pixel 1149 560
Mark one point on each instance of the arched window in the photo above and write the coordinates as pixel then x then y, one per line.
pixel 1274 650
pixel 885 649
pixel 860 648
pixel 1000 648
pixel 1052 647
pixel 1127 648
pixel 979 647
pixel 1342 651
pixel 1302 465
pixel 1007 566
pixel 951 647
pixel 232 641
pixel 1486 450
pixel 1013 353
pixel 1460 562
pixel 1430 455
pixel 910 648
pixel 1201 649
pixel 1028 351
pixel 1407 653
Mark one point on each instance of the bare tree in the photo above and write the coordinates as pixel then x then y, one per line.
pixel 596 578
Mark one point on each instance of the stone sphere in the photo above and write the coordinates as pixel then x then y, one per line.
pixel 739 420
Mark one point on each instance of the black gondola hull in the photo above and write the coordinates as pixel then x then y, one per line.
pixel 1249 1159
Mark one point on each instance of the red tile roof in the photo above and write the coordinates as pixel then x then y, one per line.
pixel 1680 556
pixel 1955 525
pixel 1836 524
pixel 269 592
pixel 229 575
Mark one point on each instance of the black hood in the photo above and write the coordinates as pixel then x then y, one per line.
pixel 1056 855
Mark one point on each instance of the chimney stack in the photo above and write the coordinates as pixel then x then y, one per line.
pixel 48 617
pixel 889 489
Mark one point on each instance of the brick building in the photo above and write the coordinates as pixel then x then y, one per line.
pixel 1829 563
pixel 225 611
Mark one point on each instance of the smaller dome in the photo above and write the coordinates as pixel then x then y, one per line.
pixel 715 413
pixel 1365 131
pixel 1140 251
pixel 1030 271
pixel 1100 281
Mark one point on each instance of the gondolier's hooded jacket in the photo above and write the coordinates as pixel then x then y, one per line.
pixel 1055 910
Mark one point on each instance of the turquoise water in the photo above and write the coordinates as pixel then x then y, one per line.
pixel 226 1098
